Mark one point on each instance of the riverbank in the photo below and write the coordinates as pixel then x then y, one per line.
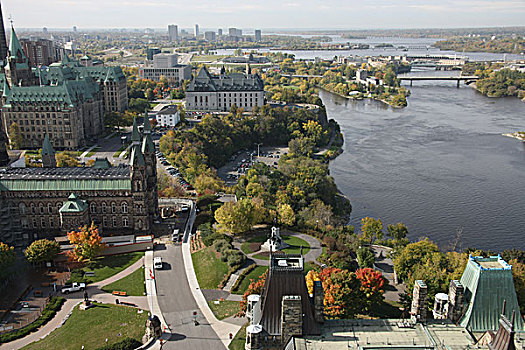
pixel 362 97
pixel 520 135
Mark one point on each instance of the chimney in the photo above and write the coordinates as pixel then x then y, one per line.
pixel 419 302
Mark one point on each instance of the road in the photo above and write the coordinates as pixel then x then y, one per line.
pixel 178 305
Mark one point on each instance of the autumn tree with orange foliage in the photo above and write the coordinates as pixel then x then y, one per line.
pixel 342 293
pixel 87 243
pixel 255 287
pixel 372 285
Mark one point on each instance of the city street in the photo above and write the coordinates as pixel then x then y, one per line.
pixel 178 305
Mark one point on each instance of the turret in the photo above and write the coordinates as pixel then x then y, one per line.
pixel 48 154
pixel 138 182
pixel 17 69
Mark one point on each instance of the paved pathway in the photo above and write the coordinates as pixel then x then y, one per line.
pixel 95 293
pixel 83 155
pixel 385 264
pixel 315 248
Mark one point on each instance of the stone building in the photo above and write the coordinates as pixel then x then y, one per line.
pixel 66 100
pixel 49 201
pixel 220 93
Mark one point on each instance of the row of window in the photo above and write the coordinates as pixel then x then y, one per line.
pixel 93 208
pixel 54 224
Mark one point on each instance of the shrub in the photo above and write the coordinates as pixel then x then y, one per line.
pixel 235 258
pixel 126 344
pixel 221 245
pixel 47 314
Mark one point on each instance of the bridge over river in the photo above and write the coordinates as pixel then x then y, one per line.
pixel 466 78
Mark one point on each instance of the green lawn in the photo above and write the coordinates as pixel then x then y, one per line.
pixel 294 243
pixel 239 339
pixel 253 275
pixel 209 269
pixel 93 151
pixel 224 309
pixel 132 284
pixel 203 58
pixel 108 266
pixel 91 327
pixel 250 245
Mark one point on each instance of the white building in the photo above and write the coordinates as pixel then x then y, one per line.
pixel 167 116
pixel 165 65
pixel 220 93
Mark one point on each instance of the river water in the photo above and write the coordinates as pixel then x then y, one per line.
pixel 439 165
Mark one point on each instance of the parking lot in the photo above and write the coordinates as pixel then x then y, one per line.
pixel 163 163
pixel 242 161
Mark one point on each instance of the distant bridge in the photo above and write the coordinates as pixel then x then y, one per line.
pixel 466 78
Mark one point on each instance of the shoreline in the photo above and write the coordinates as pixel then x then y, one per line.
pixel 520 135
pixel 362 98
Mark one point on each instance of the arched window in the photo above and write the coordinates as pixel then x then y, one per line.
pixel 41 208
pixel 113 207
pixel 125 222
pixel 22 208
pixel 49 208
pixel 124 207
pixel 33 208
pixel 104 208
pixel 93 207
pixel 114 222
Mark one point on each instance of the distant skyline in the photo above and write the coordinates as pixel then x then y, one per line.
pixel 283 14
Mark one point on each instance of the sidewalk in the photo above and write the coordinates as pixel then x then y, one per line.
pixel 95 293
pixel 221 328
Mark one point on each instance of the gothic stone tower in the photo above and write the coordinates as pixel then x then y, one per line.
pixel 148 149
pixel 17 69
pixel 138 183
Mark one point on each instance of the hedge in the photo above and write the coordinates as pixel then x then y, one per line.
pixel 126 344
pixel 55 303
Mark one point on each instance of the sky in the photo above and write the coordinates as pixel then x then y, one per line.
pixel 315 14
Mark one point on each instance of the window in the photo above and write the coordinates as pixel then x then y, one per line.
pixel 104 208
pixel 114 222
pixel 34 223
pixel 43 222
pixel 22 208
pixel 49 208
pixel 113 207
pixel 93 207
pixel 105 222
pixel 51 223
pixel 25 224
pixel 125 222
pixel 33 208
pixel 124 207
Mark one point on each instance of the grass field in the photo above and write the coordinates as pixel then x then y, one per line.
pixel 210 270
pixel 239 339
pixel 253 275
pixel 224 309
pixel 253 244
pixel 294 243
pixel 108 266
pixel 132 284
pixel 90 328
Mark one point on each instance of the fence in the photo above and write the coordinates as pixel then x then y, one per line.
pixel 16 319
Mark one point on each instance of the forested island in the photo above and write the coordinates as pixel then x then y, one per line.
pixel 496 81
pixel 506 44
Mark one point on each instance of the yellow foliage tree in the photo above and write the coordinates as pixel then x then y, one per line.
pixel 87 243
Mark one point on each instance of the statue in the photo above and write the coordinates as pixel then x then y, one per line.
pixel 274 241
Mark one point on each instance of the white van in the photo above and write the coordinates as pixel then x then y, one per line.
pixel 157 263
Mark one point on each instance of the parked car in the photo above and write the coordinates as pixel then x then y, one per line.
pixel 157 263
pixel 74 287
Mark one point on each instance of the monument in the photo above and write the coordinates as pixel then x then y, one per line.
pixel 274 242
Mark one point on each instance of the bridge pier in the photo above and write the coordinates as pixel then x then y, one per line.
pixel 458 83
pixel 411 82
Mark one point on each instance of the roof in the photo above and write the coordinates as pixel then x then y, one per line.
pixel 284 281
pixel 47 148
pixel 65 179
pixel 204 81
pixel 488 283
pixel 73 205
pixel 102 163
pixel 15 49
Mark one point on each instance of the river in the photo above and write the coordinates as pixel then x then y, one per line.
pixel 439 165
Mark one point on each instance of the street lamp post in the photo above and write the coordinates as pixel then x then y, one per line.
pixel 258 149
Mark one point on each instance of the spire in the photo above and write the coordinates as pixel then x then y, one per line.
pixel 147 143
pixel 147 125
pixel 6 90
pixel 14 46
pixel 135 135
pixel 3 41
pixel 47 148
pixel 223 70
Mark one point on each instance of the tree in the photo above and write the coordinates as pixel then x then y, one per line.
pixel 87 243
pixel 397 231
pixel 7 259
pixel 390 77
pixel 414 254
pixel 206 184
pixel 372 285
pixel 41 251
pixel 311 277
pixel 67 159
pixel 365 257
pixel 371 229
pixel 15 137
pixel 518 272
pixel 343 297
pixel 237 217
pixel 255 287
pixel 285 215
pixel 139 105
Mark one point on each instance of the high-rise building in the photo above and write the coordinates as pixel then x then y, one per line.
pixel 220 32
pixel 74 29
pixel 40 52
pixel 173 32
pixel 257 35
pixel 151 51
pixel 44 30
pixel 210 36
pixel 196 30
pixel 233 32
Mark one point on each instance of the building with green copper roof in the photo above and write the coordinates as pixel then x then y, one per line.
pixel 488 283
